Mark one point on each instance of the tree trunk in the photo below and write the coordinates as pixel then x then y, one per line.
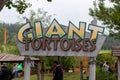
pixel 2 3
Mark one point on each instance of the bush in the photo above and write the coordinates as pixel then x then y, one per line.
pixel 101 74
pixel 106 57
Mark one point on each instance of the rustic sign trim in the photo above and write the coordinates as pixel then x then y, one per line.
pixel 59 40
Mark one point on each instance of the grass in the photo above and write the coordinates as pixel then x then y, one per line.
pixel 67 76
pixel 104 51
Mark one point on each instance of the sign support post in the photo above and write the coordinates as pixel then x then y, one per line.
pixel 27 68
pixel 39 69
pixel 81 70
pixel 92 68
pixel 118 68
pixel 116 53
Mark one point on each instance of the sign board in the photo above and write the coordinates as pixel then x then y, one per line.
pixel 116 51
pixel 59 40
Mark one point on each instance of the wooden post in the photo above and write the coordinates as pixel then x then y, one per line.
pixel 119 68
pixel 116 53
pixel 27 68
pixel 42 71
pixel 59 59
pixel 39 68
pixel 81 70
pixel 5 35
pixel 92 68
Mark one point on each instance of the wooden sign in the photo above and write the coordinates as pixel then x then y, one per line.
pixel 116 51
pixel 59 40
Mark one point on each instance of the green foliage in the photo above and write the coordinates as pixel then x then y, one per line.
pixel 20 5
pixel 105 51
pixel 67 76
pixel 1 33
pixel 40 15
pixel 49 0
pixel 101 74
pixel 9 49
pixel 12 30
pixel 106 57
pixel 65 62
pixel 48 61
pixel 110 16
pixel 68 62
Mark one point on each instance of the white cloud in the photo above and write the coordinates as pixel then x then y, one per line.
pixel 65 10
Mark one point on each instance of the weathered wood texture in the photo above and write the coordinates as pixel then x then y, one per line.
pixel 27 68
pixel 4 57
pixel 116 51
pixel 118 69
pixel 92 68
pixel 59 52
pixel 39 69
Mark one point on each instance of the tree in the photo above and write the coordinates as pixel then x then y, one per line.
pixel 68 62
pixel 2 3
pixel 20 5
pixel 109 15
pixel 1 34
pixel 40 15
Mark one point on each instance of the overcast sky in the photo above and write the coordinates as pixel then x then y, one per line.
pixel 65 10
